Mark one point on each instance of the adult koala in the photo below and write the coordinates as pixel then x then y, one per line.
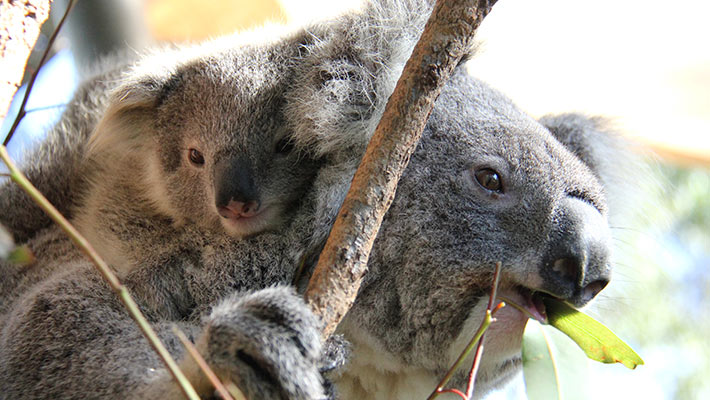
pixel 486 184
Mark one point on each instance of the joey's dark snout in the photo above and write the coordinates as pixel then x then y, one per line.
pixel 236 194
pixel 576 265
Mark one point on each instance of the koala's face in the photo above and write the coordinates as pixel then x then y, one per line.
pixel 222 157
pixel 486 184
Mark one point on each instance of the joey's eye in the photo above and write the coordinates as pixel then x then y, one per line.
pixel 284 146
pixel 489 179
pixel 196 157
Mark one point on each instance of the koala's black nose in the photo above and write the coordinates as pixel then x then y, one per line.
pixel 576 265
pixel 234 182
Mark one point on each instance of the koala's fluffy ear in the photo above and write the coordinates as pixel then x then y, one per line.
pixel 615 160
pixel 591 139
pixel 350 69
pixel 128 117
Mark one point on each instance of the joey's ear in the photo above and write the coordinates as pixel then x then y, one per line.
pixel 350 67
pixel 129 116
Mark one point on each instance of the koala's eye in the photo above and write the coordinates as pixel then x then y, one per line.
pixel 489 179
pixel 196 157
pixel 284 146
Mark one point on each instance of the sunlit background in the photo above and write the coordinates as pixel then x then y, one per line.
pixel 644 64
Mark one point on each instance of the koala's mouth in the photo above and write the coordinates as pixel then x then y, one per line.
pixel 242 226
pixel 527 301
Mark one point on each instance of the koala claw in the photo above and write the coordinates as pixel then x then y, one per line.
pixel 268 343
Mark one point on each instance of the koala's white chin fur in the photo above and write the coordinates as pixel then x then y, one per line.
pixel 374 373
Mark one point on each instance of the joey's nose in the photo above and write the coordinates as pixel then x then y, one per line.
pixel 576 265
pixel 239 209
pixel 236 194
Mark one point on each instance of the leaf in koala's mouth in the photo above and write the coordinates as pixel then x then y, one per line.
pixel 598 342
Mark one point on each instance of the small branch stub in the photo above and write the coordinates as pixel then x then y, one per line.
pixel 446 38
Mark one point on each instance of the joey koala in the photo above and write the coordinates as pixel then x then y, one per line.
pixel 198 148
pixel 487 183
pixel 190 155
pixel 161 175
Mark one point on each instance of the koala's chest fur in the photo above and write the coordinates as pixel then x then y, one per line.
pixel 373 374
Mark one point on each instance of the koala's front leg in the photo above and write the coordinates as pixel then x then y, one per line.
pixel 266 342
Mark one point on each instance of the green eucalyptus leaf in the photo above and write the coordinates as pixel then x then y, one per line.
pixel 597 341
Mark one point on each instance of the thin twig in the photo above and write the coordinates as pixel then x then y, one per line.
pixel 211 376
pixel 454 391
pixel 21 113
pixel 103 268
pixel 479 348
pixel 479 353
pixel 36 109
pixel 477 341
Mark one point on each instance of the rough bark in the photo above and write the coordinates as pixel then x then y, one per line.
pixel 20 22
pixel 446 38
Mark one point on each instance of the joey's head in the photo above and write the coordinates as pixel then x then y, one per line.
pixel 486 184
pixel 206 139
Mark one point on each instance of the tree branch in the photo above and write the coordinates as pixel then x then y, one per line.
pixel 20 22
pixel 21 113
pixel 446 38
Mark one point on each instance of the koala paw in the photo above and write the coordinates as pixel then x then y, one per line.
pixel 268 343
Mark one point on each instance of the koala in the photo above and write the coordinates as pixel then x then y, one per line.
pixel 508 192
pixel 158 176
pixel 486 184
pixel 187 159
pixel 162 166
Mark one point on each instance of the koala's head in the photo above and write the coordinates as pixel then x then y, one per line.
pixel 486 184
pixel 206 135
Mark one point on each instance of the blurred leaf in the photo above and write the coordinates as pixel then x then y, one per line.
pixel 6 243
pixel 598 342
pixel 8 251
pixel 539 365
pixel 21 255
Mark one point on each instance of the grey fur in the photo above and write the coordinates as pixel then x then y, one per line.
pixel 146 190
pixel 64 334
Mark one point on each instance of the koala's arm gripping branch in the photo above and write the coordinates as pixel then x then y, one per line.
pixel 446 38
